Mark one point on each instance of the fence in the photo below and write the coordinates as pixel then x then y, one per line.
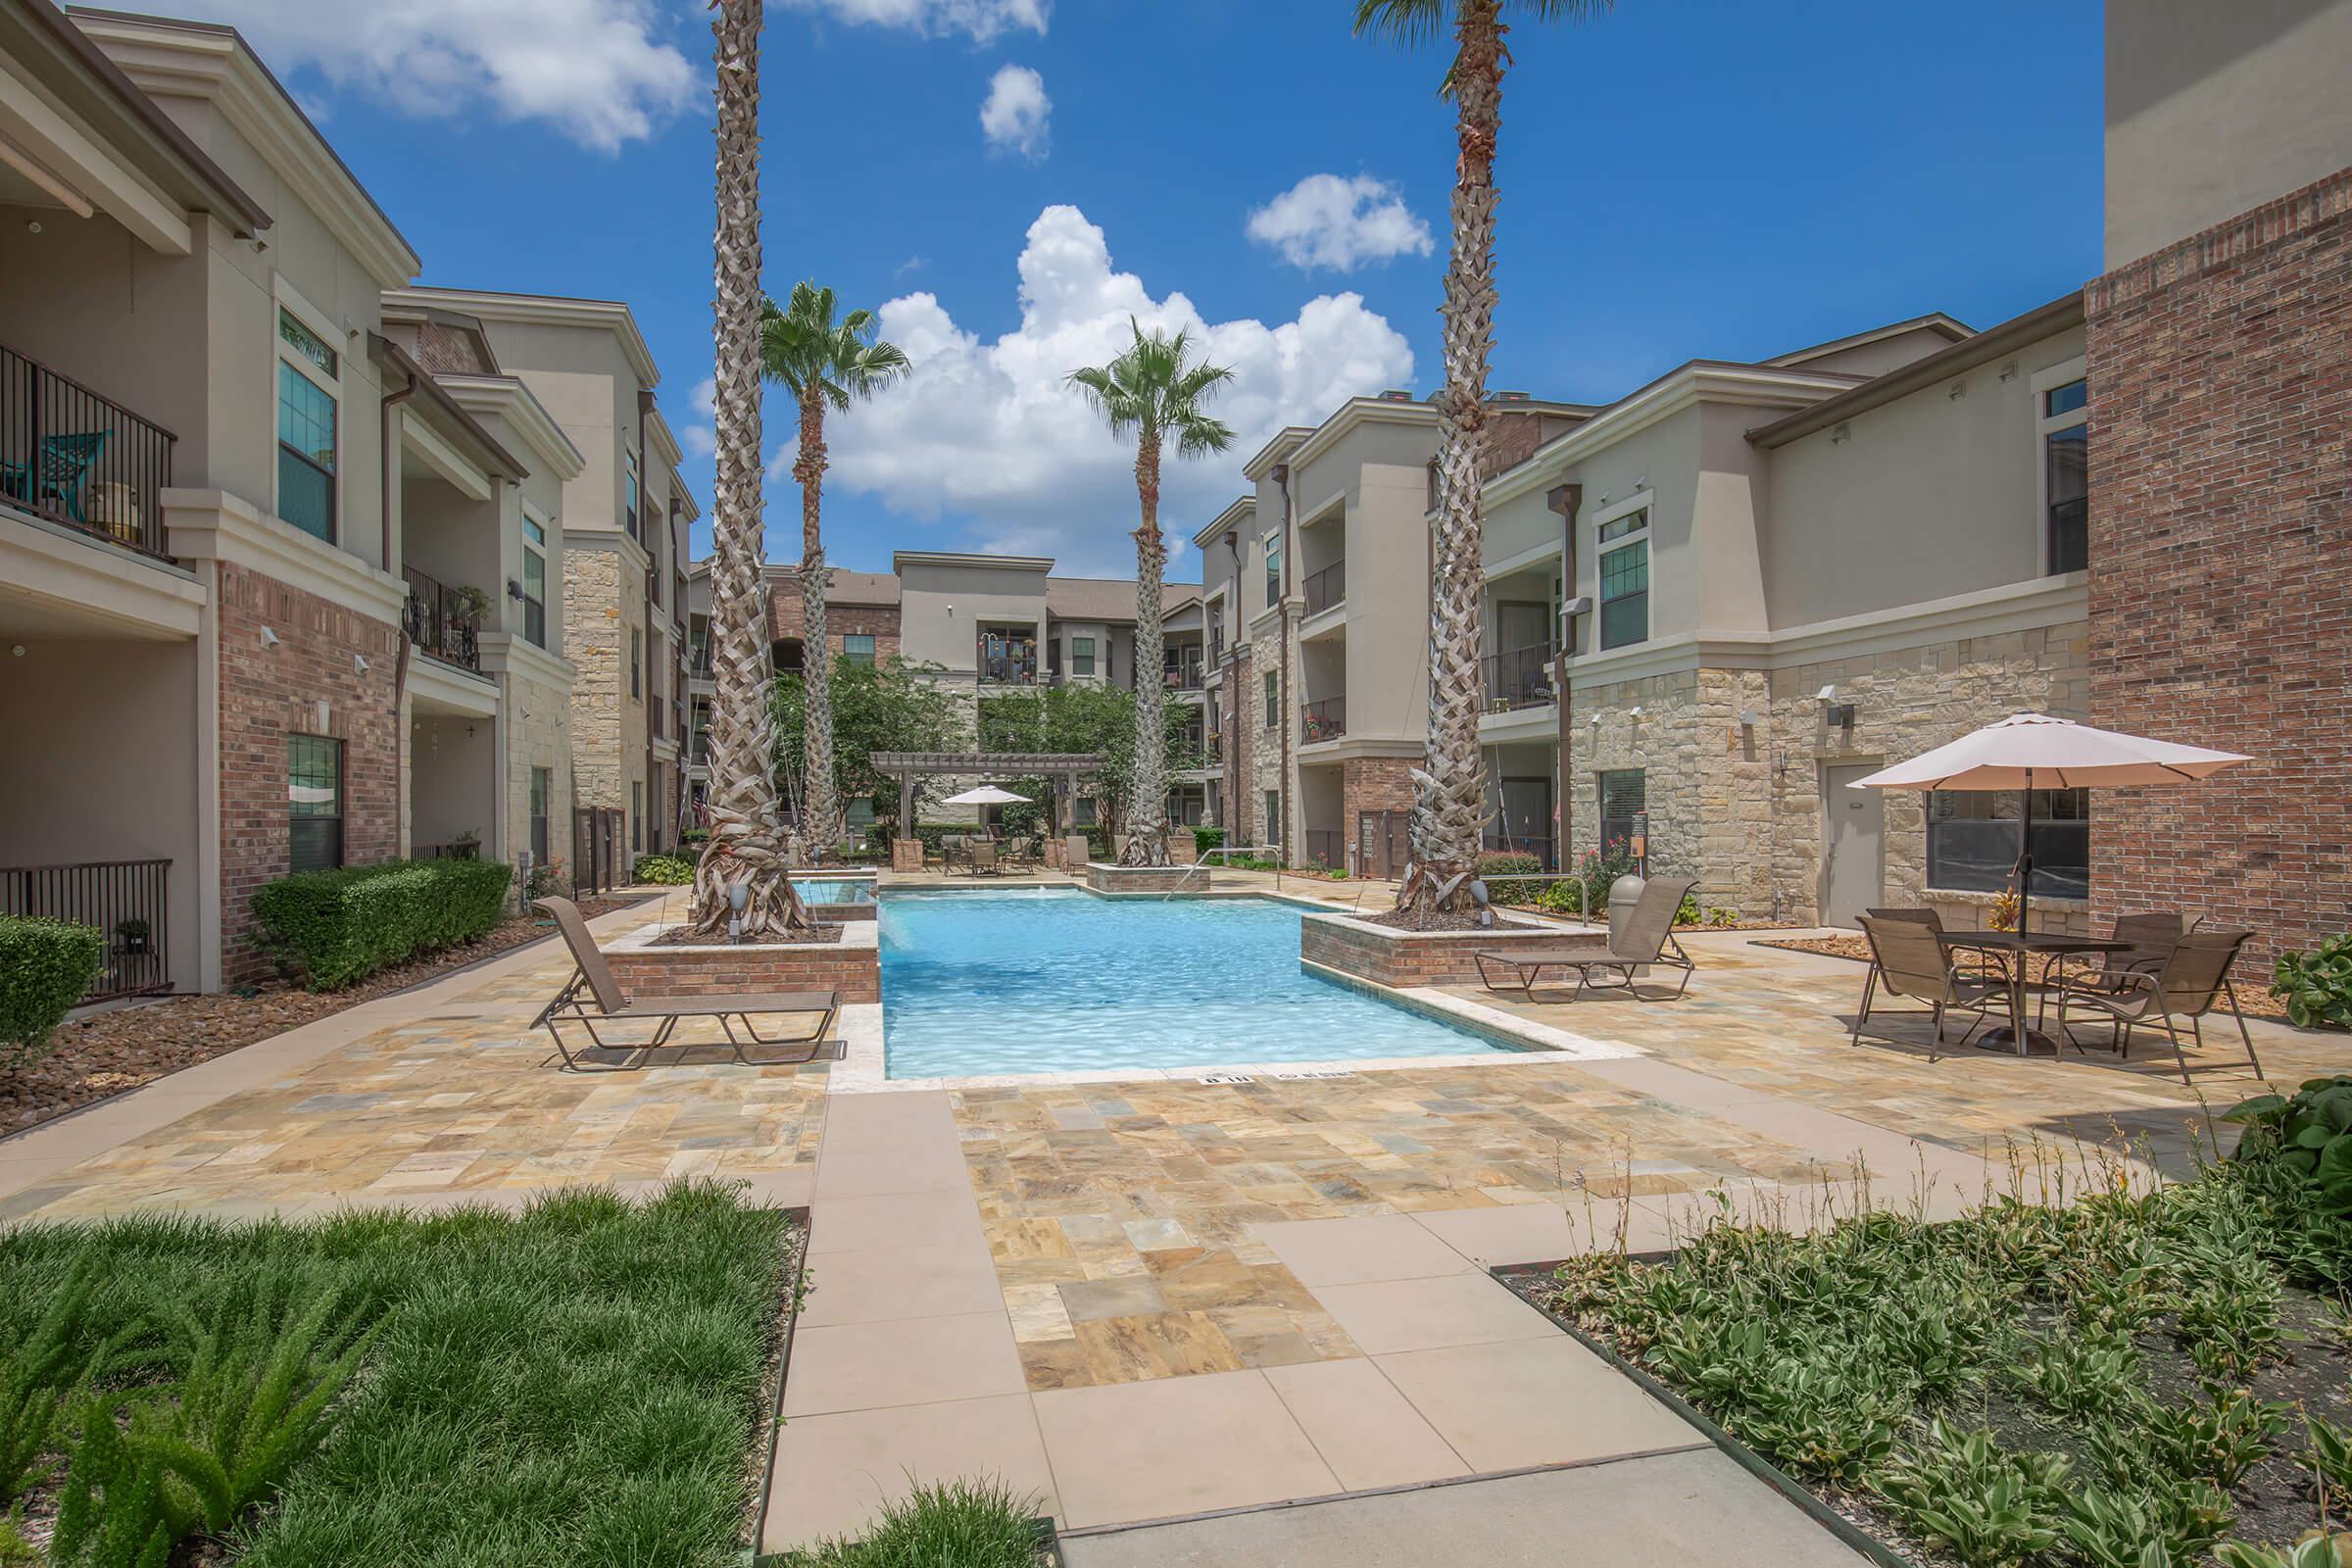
pixel 125 900
pixel 76 458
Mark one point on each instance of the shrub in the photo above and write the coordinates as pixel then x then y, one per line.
pixel 2316 986
pixel 330 928
pixel 45 965
pixel 1498 864
pixel 1205 838
pixel 2310 1134
pixel 668 870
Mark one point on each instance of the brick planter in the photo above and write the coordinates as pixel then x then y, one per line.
pixel 1147 878
pixel 1400 958
pixel 852 967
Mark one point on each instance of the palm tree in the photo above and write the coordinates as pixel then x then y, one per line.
pixel 1450 804
pixel 1151 392
pixel 746 853
pixel 820 361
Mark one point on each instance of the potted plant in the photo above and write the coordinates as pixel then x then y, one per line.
pixel 130 937
pixel 471 602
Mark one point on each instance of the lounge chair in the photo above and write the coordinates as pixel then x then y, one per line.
pixel 592 982
pixel 1908 961
pixel 1020 852
pixel 1639 938
pixel 2188 984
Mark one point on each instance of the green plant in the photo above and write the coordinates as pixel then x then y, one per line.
pixel 2310 1134
pixel 2079 1375
pixel 45 965
pixel 14 1550
pixel 665 870
pixel 969 1524
pixel 548 879
pixel 1687 912
pixel 1205 838
pixel 37 1375
pixel 2317 1550
pixel 2330 1461
pixel 330 928
pixel 134 933
pixel 1723 918
pixel 2146 1522
pixel 473 604
pixel 2220 1440
pixel 1991 1508
pixel 2316 986
pixel 1495 868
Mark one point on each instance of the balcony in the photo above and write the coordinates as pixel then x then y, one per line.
pixel 1325 720
pixel 1212 749
pixel 442 621
pixel 1520 678
pixel 1326 589
pixel 1007 660
pixel 74 458
pixel 1182 677
pixel 126 901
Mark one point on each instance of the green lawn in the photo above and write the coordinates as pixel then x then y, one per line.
pixel 576 1384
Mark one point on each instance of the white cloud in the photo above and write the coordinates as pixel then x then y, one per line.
pixel 1014 119
pixel 994 431
pixel 978 19
pixel 700 438
pixel 597 70
pixel 1325 221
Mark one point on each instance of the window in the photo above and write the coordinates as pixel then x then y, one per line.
pixel 543 789
pixel 2064 420
pixel 1273 701
pixel 534 584
pixel 636 662
pixel 1273 832
pixel 307 380
pixel 1273 568
pixel 1625 580
pixel 636 816
pixel 1624 796
pixel 858 647
pixel 1973 839
pixel 313 802
pixel 1082 656
pixel 1081 810
pixel 630 492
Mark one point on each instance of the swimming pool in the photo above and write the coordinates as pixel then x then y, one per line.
pixel 1057 980
pixel 834 889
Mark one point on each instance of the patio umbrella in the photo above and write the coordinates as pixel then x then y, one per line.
pixel 987 795
pixel 2033 751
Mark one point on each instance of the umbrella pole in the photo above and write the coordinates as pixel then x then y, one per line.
pixel 2025 859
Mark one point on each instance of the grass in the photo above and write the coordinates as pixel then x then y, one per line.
pixel 962 1524
pixel 577 1383
pixel 2125 1381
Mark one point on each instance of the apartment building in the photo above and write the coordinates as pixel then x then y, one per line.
pixel 626 512
pixel 984 625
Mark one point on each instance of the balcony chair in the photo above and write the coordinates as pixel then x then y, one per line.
pixel 1908 961
pixel 61 463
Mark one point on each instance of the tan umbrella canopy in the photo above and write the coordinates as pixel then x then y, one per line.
pixel 2032 752
pixel 986 795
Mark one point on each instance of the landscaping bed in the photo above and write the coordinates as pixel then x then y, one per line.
pixel 2134 1381
pixel 585 1382
pixel 107 1053
pixel 2254 1002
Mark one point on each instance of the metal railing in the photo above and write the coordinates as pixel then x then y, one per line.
pixel 1183 676
pixel 1495 840
pixel 1005 662
pixel 1327 847
pixel 1325 720
pixel 127 901
pixel 71 456
pixel 437 624
pixel 1520 678
pixel 1326 588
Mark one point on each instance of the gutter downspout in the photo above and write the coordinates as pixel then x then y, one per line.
pixel 399 658
pixel 1282 679
pixel 1232 655
pixel 1565 499
pixel 652 571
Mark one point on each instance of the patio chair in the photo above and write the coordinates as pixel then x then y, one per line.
pixel 1908 961
pixel 1020 852
pixel 2152 936
pixel 984 858
pixel 955 849
pixel 592 997
pixel 65 461
pixel 2192 979
pixel 1640 938
pixel 1990 962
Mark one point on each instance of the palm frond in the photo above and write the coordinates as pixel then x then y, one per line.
pixel 810 349
pixel 1409 23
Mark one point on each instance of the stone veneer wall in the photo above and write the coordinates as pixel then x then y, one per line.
pixel 306 685
pixel 1241 746
pixel 538 735
pixel 2221 548
pixel 596 640
pixel 1267 649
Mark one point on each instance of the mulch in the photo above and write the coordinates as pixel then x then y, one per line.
pixel 2254 1000
pixel 110 1053
pixel 680 937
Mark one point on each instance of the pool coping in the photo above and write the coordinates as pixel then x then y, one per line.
pixel 863 1068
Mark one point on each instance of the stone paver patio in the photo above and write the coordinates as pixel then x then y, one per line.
pixel 1160 1297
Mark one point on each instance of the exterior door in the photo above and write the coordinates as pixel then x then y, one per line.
pixel 1525 822
pixel 1853 832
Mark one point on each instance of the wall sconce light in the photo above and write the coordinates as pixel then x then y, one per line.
pixel 359 663
pixel 1634 713
pixel 1840 433
pixel 1827 693
pixel 1594 721
pixel 1749 718
pixel 515 590
pixel 269 638
pixel 2009 371
pixel 1956 391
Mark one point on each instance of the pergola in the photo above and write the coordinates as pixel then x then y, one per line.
pixel 1065 769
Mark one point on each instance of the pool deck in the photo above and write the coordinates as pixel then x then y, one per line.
pixel 1163 1296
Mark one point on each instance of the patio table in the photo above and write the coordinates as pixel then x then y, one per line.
pixel 2020 945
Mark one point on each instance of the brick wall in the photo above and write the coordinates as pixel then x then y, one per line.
pixel 854 969
pixel 1373 784
pixel 1407 958
pixel 786 622
pixel 309 684
pixel 2220 547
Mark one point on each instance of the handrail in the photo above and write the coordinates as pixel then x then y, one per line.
pixel 1201 859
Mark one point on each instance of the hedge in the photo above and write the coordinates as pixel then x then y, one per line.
pixel 45 965
pixel 670 871
pixel 1494 867
pixel 330 928
pixel 1205 838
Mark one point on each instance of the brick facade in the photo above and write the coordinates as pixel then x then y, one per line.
pixel 2220 547
pixel 787 623
pixel 852 967
pixel 1401 958
pixel 1373 784
pixel 307 684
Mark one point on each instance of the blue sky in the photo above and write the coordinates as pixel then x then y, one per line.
pixel 1680 178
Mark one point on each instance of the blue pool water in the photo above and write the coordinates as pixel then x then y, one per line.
pixel 1055 980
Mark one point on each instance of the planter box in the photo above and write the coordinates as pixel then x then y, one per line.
pixel 1147 878
pixel 1401 958
pixel 851 965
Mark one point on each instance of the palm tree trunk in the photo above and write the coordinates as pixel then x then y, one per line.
pixel 1450 805
pixel 1148 827
pixel 746 851
pixel 821 796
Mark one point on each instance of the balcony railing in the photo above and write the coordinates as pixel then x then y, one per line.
pixel 1216 647
pixel 1326 588
pixel 1005 662
pixel 1213 749
pixel 438 622
pixel 126 901
pixel 1520 678
pixel 1326 720
pixel 79 459
pixel 1327 847
pixel 1183 676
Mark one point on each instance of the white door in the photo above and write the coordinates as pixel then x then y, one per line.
pixel 1853 870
